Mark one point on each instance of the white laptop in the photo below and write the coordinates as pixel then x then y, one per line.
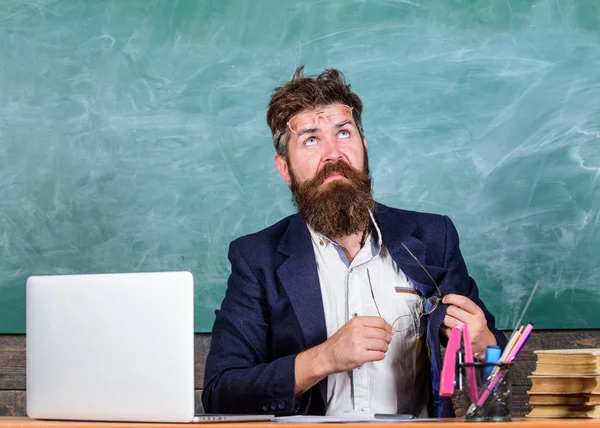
pixel 112 347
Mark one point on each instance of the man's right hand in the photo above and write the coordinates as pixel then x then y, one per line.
pixel 360 340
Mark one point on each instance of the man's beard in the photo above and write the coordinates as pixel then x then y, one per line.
pixel 341 208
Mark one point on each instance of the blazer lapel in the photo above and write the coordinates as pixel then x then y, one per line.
pixel 300 279
pixel 396 228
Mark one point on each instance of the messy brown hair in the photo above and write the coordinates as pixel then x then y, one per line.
pixel 308 93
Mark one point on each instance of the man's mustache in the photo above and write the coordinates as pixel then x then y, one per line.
pixel 340 167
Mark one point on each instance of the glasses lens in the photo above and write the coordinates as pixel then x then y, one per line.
pixel 402 323
pixel 430 304
pixel 305 121
pixel 338 114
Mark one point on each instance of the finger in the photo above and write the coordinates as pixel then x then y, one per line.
pixel 450 321
pixel 459 314
pixel 462 302
pixel 376 345
pixel 373 356
pixel 377 333
pixel 376 322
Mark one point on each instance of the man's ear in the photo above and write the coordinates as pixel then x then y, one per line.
pixel 282 167
pixel 365 144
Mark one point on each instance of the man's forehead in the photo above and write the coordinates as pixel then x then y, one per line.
pixel 309 120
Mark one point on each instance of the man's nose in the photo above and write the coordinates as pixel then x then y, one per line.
pixel 332 150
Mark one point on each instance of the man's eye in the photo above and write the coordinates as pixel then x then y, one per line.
pixel 310 141
pixel 344 134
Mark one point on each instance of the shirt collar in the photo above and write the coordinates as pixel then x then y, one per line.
pixel 324 241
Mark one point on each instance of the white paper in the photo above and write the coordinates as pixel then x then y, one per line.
pixel 347 418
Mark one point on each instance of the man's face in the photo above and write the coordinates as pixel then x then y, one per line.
pixel 320 137
pixel 328 171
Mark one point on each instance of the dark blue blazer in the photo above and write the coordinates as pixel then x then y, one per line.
pixel 273 310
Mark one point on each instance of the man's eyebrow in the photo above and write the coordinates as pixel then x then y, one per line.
pixel 339 125
pixel 306 131
pixel 312 130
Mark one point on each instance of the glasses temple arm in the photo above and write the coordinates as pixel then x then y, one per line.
pixel 423 267
pixel 373 294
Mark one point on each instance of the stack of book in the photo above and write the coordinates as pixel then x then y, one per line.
pixel 566 383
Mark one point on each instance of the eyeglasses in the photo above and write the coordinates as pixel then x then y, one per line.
pixel 303 122
pixel 403 322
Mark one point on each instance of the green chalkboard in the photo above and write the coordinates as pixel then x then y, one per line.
pixel 133 138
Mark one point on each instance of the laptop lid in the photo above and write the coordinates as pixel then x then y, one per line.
pixel 111 347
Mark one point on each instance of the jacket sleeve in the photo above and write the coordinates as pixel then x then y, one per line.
pixel 464 284
pixel 240 376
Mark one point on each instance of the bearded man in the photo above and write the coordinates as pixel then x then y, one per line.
pixel 343 306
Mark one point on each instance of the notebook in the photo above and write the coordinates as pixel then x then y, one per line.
pixel 112 347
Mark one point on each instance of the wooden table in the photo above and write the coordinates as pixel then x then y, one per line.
pixel 453 423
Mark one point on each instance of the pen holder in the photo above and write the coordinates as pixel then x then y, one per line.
pixel 496 407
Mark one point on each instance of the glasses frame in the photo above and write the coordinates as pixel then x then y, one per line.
pixel 317 114
pixel 436 299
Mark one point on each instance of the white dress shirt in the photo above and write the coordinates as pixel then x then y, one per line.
pixel 398 383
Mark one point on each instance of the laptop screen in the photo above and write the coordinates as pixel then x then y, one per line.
pixel 111 347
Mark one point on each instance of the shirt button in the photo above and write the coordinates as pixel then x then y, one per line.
pixel 321 242
pixel 273 405
pixel 354 314
pixel 281 405
pixel 265 407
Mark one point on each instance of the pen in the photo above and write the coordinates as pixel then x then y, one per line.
pixel 511 343
pixel 520 343
pixel 393 416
